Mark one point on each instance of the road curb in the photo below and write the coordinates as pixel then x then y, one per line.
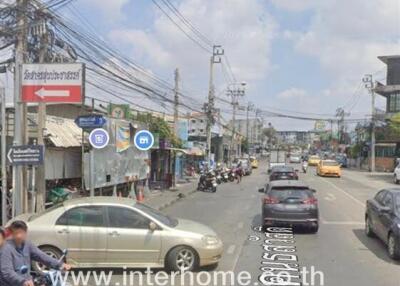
pixel 176 199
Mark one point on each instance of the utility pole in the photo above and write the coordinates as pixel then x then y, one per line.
pixel 19 115
pixel 39 195
pixel 256 125
pixel 4 198
pixel 176 102
pixel 209 107
pixel 369 84
pixel 250 107
pixel 234 93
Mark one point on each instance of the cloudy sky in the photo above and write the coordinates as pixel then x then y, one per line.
pixel 297 56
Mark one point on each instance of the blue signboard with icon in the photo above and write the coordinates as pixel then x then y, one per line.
pixel 90 121
pixel 144 140
pixel 99 138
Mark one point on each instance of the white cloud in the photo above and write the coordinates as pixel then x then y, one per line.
pixel 294 5
pixel 348 41
pixel 242 27
pixel 292 93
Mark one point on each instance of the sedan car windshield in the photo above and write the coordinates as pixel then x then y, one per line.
pixel 168 221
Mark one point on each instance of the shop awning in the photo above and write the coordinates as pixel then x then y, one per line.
pixel 61 132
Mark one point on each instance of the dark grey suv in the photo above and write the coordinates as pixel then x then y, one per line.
pixel 289 202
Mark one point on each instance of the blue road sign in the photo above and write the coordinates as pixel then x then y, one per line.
pixel 99 138
pixel 144 140
pixel 25 155
pixel 90 121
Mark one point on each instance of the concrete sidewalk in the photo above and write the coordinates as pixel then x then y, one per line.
pixel 162 199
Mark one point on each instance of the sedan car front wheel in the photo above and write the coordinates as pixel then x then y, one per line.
pixel 50 251
pixel 393 247
pixel 182 258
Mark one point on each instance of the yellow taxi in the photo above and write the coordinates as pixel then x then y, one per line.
pixel 313 160
pixel 254 162
pixel 329 168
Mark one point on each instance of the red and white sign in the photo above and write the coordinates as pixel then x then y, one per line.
pixel 52 83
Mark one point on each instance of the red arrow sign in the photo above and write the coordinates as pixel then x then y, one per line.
pixel 51 93
pixel 52 82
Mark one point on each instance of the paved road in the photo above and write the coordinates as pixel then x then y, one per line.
pixel 340 249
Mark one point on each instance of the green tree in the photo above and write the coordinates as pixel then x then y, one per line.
pixel 160 126
pixel 394 125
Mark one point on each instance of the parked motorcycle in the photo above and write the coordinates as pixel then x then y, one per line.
pixel 225 176
pixel 207 182
pixel 218 176
pixel 232 175
pixel 52 277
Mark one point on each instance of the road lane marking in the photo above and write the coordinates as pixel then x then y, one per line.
pixel 231 249
pixel 236 259
pixel 344 192
pixel 330 197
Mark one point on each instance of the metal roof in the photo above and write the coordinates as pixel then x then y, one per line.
pixel 61 132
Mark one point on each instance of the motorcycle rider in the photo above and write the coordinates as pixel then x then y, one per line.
pixel 239 172
pixel 304 165
pixel 19 252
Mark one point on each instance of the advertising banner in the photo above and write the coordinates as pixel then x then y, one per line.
pixel 123 136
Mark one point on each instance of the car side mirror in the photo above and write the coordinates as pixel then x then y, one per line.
pixel 152 226
pixel 262 190
pixel 313 190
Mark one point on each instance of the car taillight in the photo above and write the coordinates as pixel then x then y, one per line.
pixel 270 201
pixel 310 201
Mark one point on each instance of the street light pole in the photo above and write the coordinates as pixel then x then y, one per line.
pixel 250 106
pixel 369 84
pixel 4 217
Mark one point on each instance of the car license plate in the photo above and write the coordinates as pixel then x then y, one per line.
pixel 291 207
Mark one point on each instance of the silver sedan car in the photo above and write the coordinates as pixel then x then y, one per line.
pixel 114 232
